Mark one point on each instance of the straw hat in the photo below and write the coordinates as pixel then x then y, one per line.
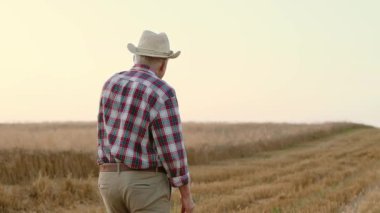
pixel 154 45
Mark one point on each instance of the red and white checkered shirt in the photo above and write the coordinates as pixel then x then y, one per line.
pixel 139 124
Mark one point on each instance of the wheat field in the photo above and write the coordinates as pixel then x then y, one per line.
pixel 235 167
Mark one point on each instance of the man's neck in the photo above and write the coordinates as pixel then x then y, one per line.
pixel 146 68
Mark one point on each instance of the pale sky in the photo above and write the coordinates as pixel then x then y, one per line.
pixel 254 60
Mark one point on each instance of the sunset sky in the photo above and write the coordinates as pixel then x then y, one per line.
pixel 251 61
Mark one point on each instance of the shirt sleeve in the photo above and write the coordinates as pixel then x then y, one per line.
pixel 167 134
pixel 101 134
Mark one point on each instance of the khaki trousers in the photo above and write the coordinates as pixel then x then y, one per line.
pixel 135 191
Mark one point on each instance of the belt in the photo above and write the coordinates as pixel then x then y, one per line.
pixel 112 167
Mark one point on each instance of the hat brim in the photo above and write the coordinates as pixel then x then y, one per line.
pixel 135 50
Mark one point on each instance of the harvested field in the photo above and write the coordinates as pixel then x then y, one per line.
pixel 268 167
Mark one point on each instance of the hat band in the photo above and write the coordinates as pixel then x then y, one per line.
pixel 153 52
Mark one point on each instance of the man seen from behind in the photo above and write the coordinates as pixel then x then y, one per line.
pixel 141 152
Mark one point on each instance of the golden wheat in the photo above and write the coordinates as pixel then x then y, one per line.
pixel 234 167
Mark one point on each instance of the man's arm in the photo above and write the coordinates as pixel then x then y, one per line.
pixel 188 204
pixel 167 134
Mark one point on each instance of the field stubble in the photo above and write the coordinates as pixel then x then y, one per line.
pixel 234 167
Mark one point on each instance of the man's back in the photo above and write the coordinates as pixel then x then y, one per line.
pixel 139 123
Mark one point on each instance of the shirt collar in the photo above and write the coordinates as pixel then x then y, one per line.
pixel 144 68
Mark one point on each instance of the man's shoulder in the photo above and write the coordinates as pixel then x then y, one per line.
pixel 110 79
pixel 163 89
pixel 160 87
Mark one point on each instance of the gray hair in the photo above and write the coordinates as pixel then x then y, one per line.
pixel 142 59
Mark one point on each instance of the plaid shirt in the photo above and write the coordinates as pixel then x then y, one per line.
pixel 139 124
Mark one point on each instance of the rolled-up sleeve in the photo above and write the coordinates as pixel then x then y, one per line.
pixel 167 134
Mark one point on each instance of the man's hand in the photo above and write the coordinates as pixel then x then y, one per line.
pixel 188 204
